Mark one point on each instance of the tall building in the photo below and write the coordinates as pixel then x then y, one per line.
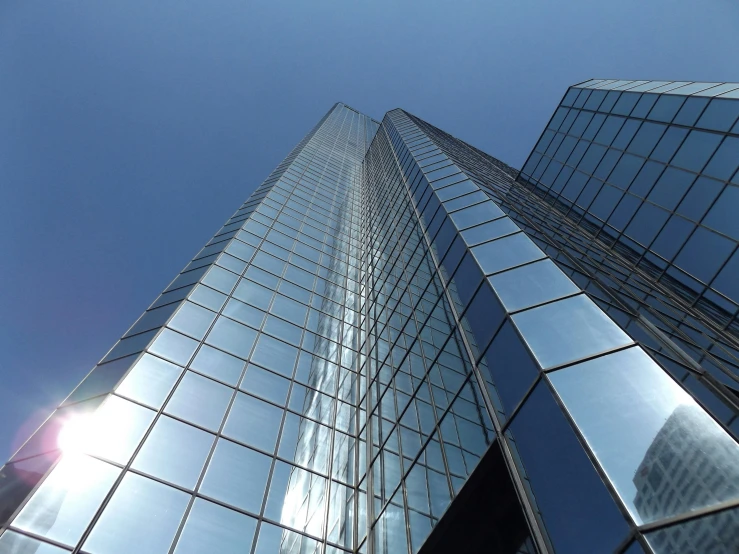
pixel 400 344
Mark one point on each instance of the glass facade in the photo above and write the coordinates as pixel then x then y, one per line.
pixel 400 344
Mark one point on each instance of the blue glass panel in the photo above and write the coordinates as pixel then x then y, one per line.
pixel 671 187
pixel 696 150
pixel 15 543
pixel 700 196
pixel 200 401
pixel 65 503
pixel 213 528
pixel 150 381
pixel 720 115
pixel 531 284
pixel 275 355
pixel 511 369
pixel 265 384
pixel 218 365
pixel 567 330
pixel 506 252
pixel 175 452
pixel 563 484
pixel 254 422
pixel 237 475
pixel 173 346
pixel 725 161
pixel 651 438
pixel 232 337
pixel 704 253
pixel 152 509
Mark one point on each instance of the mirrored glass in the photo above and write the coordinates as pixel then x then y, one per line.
pixel 192 320
pixel 174 346
pixel 297 499
pixel 142 516
pixel 232 337
pixel 715 533
pixel 474 215
pixel 113 432
pixel 207 297
pixel 175 452
pixel 567 330
pixel 64 504
pixel 253 294
pixel 15 543
pixel 150 381
pixel 218 365
pixel 220 279
pixel 562 483
pixel 662 452
pixel 237 475
pixel 531 284
pixel 305 443
pixel 276 355
pixel 489 231
pixel 277 539
pixel 254 422
pixel 506 252
pixel 265 384
pixel 200 400
pixel 214 528
pixel 244 313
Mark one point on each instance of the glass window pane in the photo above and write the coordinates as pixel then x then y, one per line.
pixel 562 482
pixel 474 215
pixel 276 355
pixel 695 151
pixel 277 539
pixel 150 381
pixel 505 253
pixel 15 543
pixel 567 330
pixel 531 284
pixel 489 231
pixel 244 313
pixel 213 528
pixel 142 516
pixel 232 337
pixel 704 253
pixel 265 384
pixel 220 279
pixel 208 297
pixel 175 452
pixel 218 365
pixel 253 294
pixel 200 401
pixel 725 161
pixel 173 346
pixel 305 442
pixel 192 320
pixel 254 422
pixel 237 475
pixel 291 310
pixel 715 533
pixel 723 215
pixel 113 432
pixel 662 452
pixel 64 504
pixel 287 502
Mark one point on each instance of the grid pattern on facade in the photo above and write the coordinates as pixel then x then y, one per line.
pixel 391 308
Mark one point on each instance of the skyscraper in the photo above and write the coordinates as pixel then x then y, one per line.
pixel 401 344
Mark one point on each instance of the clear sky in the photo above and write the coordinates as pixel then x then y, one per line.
pixel 130 130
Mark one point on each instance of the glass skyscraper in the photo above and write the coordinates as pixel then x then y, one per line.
pixel 400 344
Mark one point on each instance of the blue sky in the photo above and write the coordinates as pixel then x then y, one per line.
pixel 129 131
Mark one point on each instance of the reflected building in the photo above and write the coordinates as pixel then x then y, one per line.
pixel 401 344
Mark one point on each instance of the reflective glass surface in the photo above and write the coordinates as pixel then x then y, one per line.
pixel 150 381
pixel 531 284
pixel 175 452
pixel 213 528
pixel 506 252
pixel 567 330
pixel 236 475
pixel 199 400
pixel 152 509
pixel 658 447
pixel 67 500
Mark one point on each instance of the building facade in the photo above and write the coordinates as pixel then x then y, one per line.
pixel 400 344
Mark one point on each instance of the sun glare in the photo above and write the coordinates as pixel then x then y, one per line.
pixel 75 435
